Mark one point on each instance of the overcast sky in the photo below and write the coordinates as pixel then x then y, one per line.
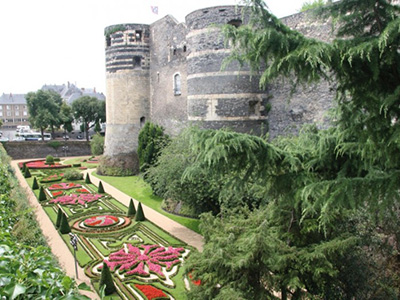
pixel 56 41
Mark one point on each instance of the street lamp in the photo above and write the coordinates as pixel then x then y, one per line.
pixel 74 243
pixel 65 149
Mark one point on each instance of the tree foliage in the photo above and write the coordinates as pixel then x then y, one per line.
pixel 151 141
pixel 97 144
pixel 44 109
pixel 90 111
pixel 321 185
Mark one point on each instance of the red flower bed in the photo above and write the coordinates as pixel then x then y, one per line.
pixel 151 292
pixel 51 178
pixel 83 191
pixel 101 221
pixel 58 193
pixel 40 164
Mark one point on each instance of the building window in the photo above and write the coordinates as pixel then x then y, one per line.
pixel 8 107
pixel 177 84
pixel 137 62
pixel 184 48
pixel 138 36
pixel 9 114
pixel 108 41
pixel 17 107
pixel 1 113
pixel 17 113
pixel 25 113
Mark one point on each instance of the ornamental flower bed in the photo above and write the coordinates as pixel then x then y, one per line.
pixel 82 191
pixel 150 292
pixel 154 256
pixel 56 194
pixel 41 164
pixel 64 186
pixel 74 199
pixel 101 221
pixel 54 177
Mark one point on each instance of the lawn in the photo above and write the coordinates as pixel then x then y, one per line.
pixel 137 188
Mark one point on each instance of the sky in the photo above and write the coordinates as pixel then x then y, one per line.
pixel 60 41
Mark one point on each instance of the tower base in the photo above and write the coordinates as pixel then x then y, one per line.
pixel 124 164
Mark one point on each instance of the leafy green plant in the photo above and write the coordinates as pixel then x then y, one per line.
pixel 73 175
pixel 97 144
pixel 49 160
pixel 59 217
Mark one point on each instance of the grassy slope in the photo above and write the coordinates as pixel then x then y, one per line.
pixel 137 188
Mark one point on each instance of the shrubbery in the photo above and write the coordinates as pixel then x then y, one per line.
pixel 97 144
pixel 73 175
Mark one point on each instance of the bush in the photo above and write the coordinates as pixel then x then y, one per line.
pixel 107 280
pixel 97 144
pixel 76 165
pixel 100 189
pixel 49 160
pixel 151 141
pixel 27 173
pixel 139 213
pixel 42 194
pixel 64 226
pixel 59 217
pixel 87 179
pixel 35 184
pixel 131 209
pixel 73 175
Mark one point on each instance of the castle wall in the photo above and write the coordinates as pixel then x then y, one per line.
pixel 168 59
pixel 308 104
pixel 127 85
pixel 220 98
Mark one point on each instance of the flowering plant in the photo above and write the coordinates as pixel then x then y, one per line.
pixel 154 256
pixel 101 221
pixel 54 177
pixel 41 164
pixel 84 191
pixel 64 186
pixel 151 292
pixel 58 193
pixel 76 199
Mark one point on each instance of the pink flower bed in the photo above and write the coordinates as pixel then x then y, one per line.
pixel 64 186
pixel 76 199
pixel 101 221
pixel 154 256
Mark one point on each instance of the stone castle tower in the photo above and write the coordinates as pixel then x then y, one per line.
pixel 170 73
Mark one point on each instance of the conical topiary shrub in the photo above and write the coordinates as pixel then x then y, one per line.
pixel 139 213
pixel 27 173
pixel 59 217
pixel 64 226
pixel 131 209
pixel 100 189
pixel 106 279
pixel 42 194
pixel 87 179
pixel 23 168
pixel 35 184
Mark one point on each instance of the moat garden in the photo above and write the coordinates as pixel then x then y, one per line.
pixel 116 245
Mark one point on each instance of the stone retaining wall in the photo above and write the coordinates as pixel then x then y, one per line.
pixel 26 149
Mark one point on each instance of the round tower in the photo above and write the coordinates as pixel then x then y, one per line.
pixel 128 96
pixel 220 98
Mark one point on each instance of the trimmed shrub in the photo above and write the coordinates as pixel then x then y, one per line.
pixel 23 167
pixel 42 194
pixel 131 209
pixel 73 175
pixel 100 189
pixel 87 179
pixel 56 159
pixel 97 144
pixel 64 226
pixel 76 165
pixel 27 173
pixel 59 217
pixel 107 280
pixel 49 160
pixel 35 184
pixel 139 213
